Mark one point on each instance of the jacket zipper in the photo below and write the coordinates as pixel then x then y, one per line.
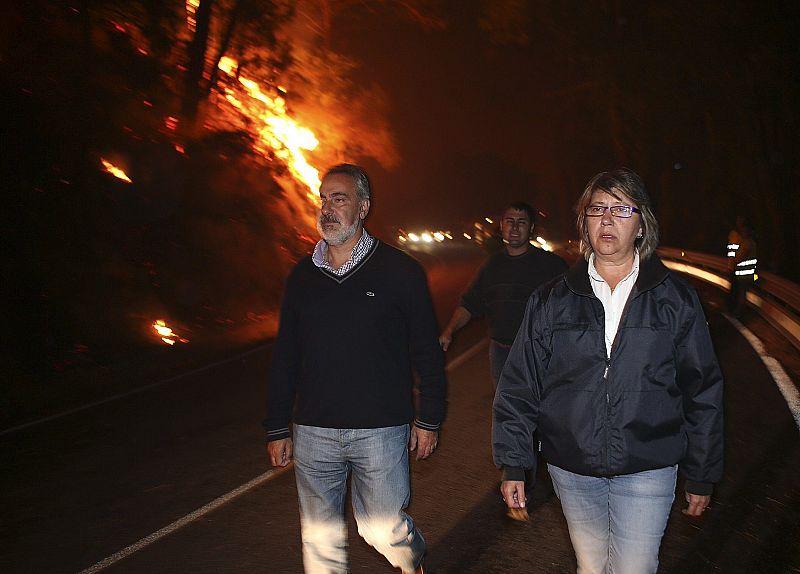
pixel 633 294
pixel 608 406
pixel 608 399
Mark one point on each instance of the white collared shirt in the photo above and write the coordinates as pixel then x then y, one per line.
pixel 613 301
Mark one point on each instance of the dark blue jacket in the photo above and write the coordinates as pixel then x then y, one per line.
pixel 657 401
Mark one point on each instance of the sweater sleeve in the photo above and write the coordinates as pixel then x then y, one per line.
pixel 700 381
pixel 427 358
pixel 517 399
pixel 283 371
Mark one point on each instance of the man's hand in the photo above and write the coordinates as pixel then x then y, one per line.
pixel 513 492
pixel 424 441
pixel 697 504
pixel 280 452
pixel 460 318
pixel 445 339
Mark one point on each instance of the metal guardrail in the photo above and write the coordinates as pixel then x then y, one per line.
pixel 776 299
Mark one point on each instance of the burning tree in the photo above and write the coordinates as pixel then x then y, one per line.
pixel 170 170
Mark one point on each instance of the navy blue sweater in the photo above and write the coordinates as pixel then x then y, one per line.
pixel 502 287
pixel 347 345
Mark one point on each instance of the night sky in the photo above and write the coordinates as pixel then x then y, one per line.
pixel 699 98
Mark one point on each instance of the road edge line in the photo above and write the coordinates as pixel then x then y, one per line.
pixel 785 384
pixel 181 522
pixel 236 492
pixel 135 391
pixel 466 355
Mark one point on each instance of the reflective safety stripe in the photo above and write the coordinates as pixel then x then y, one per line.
pixel 746 267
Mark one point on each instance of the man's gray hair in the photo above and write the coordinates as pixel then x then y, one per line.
pixel 620 183
pixel 357 174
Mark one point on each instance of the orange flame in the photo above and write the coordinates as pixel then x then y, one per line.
pixel 281 134
pixel 115 171
pixel 191 10
pixel 167 334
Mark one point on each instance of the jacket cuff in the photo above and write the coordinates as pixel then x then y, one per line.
pixel 427 426
pixel 278 434
pixel 699 488
pixel 513 473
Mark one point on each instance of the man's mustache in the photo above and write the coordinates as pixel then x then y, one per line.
pixel 328 219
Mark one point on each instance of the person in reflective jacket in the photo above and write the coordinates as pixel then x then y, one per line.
pixel 614 365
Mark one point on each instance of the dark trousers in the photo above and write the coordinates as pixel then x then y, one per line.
pixel 738 295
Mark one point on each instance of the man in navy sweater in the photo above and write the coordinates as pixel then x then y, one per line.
pixel 501 288
pixel 356 319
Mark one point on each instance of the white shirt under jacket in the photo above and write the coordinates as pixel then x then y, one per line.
pixel 613 301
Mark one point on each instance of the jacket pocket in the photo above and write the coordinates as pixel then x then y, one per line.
pixel 651 427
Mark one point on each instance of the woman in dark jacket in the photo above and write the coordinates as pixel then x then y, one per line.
pixel 614 366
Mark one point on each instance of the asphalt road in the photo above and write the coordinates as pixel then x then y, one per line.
pixel 79 489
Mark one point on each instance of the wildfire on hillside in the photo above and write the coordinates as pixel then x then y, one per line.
pixel 241 102
pixel 279 133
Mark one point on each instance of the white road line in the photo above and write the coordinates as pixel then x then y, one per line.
pixel 788 389
pixel 129 393
pixel 181 522
pixel 226 498
pixel 466 355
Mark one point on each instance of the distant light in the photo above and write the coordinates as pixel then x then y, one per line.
pixel 488 220
pixel 401 239
pixel 427 237
pixel 438 236
pixel 540 240
pixel 467 235
pixel 413 237
pixel 447 234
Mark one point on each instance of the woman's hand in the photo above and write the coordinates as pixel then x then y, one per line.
pixel 697 504
pixel 513 492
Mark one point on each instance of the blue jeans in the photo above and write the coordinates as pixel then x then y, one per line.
pixel 498 353
pixel 377 461
pixel 616 523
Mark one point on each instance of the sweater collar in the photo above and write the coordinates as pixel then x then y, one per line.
pixel 651 272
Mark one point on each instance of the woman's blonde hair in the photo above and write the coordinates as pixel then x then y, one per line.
pixel 621 184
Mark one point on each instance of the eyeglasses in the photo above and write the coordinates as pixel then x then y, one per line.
pixel 616 210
